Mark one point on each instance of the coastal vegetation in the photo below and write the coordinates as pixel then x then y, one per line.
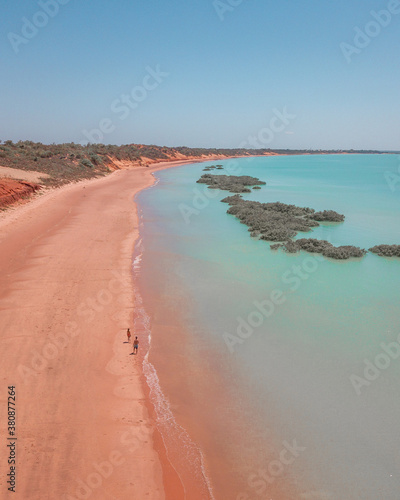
pixel 279 222
pixel 328 216
pixel 231 183
pixel 213 167
pixel 386 250
pixel 71 161
pixel 323 247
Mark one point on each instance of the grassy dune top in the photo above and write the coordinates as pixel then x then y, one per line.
pixel 68 162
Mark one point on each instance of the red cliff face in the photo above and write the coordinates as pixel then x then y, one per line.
pixel 12 191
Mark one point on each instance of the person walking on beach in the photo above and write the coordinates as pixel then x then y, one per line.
pixel 135 345
pixel 128 334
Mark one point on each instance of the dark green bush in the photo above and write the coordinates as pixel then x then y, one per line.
pixel 86 163
pixel 95 159
pixel 386 250
pixel 45 154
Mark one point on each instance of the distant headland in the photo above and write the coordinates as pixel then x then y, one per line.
pixel 32 165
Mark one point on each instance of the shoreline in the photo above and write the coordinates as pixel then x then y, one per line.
pixel 57 350
pixel 28 175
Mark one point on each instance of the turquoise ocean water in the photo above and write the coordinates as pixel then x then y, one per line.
pixel 286 375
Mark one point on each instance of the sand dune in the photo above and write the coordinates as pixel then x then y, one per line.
pixel 22 175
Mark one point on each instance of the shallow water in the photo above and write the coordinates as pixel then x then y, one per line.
pixel 258 352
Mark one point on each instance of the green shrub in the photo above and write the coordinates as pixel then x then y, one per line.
pixel 95 159
pixel 86 163
pixel 45 154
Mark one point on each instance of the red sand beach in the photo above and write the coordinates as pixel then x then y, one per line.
pixel 83 422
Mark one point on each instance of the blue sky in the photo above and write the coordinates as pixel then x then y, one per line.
pixel 226 69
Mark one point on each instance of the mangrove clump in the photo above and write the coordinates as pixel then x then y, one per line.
pixel 231 183
pixel 279 222
pixel 328 216
pixel 323 247
pixel 386 250
pixel 272 221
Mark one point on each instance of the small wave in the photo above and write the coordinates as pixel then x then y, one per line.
pixel 137 261
pixel 190 465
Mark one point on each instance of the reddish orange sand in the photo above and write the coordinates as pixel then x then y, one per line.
pixel 84 426
pixel 12 190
